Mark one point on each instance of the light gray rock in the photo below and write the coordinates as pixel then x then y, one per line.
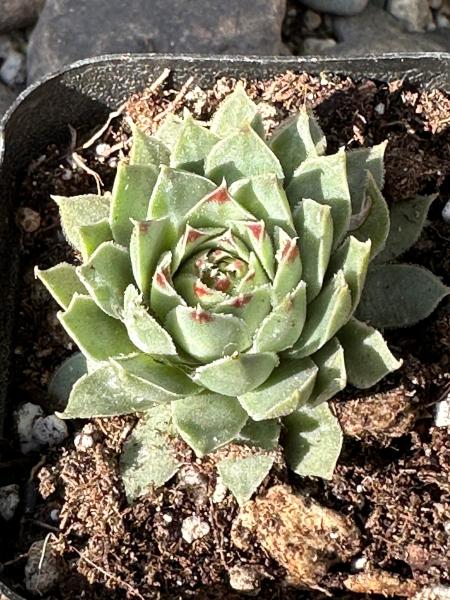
pixel 415 15
pixel 6 99
pixel 337 7
pixel 312 45
pixel 358 35
pixel 68 30
pixel 12 71
pixel 15 14
pixel 9 501
pixel 43 569
pixel 311 20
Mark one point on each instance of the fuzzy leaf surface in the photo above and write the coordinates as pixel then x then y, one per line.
pixel 75 211
pixel 148 242
pixel 352 258
pixel 332 375
pixel 147 150
pixel 91 236
pixel 208 421
pixel 236 110
pixel 260 434
pixel 399 295
pixel 193 145
pixel 243 476
pixel 313 441
pixel 62 282
pixel 359 161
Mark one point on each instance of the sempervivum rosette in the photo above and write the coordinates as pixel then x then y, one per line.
pixel 217 292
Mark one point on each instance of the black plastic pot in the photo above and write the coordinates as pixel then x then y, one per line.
pixel 83 94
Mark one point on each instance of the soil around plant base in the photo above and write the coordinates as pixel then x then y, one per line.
pixel 393 477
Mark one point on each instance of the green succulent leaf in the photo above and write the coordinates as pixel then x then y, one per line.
pixel 216 209
pixel 92 235
pixel 82 318
pixel 148 241
pixel 332 374
pixel 324 179
pixel 65 376
pixel 207 336
pixel 207 421
pixel 147 458
pixel 289 386
pixel 169 131
pixel 144 331
pixel 243 476
pixel 375 226
pixel 399 295
pixel 106 392
pixel 106 276
pixel 314 225
pixel 237 374
pixel 163 296
pixel 367 356
pixel 289 265
pixel 81 210
pixel 283 326
pixel 175 194
pixel 297 139
pixel 192 146
pixel 260 434
pixel 62 282
pixel 131 193
pixel 407 220
pixel 313 441
pixel 242 154
pixel 252 307
pixel 360 161
pixel 264 197
pixel 352 258
pixel 147 150
pixel 326 315
pixel 236 110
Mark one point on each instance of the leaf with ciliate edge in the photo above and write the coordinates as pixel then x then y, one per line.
pixel 359 161
pixel 169 131
pixel 147 150
pixel 65 376
pixel 289 266
pixel 131 193
pixel 377 223
pixel 193 145
pixel 83 318
pixel 399 295
pixel 163 296
pixel 207 336
pixel 251 308
pixel 236 375
pixel 168 382
pixel 195 292
pixel 144 331
pixel 243 476
pixel 208 421
pixel 236 110
pixel 93 235
pixel 149 239
pixel 289 386
pixel 332 375
pixel 106 276
pixel 367 356
pixel 407 221
pixel 174 195
pixel 297 139
pixel 324 180
pixel 314 225
pixel 264 197
pixel 62 282
pixel 313 441
pixel 258 240
pixel 243 154
pixel 190 240
pixel 75 211
pixel 147 458
pixel 260 434
pixel 352 258
pixel 283 326
pixel 217 209
pixel 108 391
pixel 326 315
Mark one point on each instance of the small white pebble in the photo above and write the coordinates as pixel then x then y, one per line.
pixel 220 491
pixel 245 578
pixel 113 162
pixel 193 528
pixel 442 413
pixel 102 149
pixel 359 563
pixel 446 212
pixel 359 489
pixel 191 477
pixel 447 527
pixel 67 174
pixel 11 71
pixel 167 518
pixel 54 514
pixel 334 535
pixel 380 108
pixel 25 416
pixel 9 501
pixel 49 431
pixel 442 21
pixel 83 441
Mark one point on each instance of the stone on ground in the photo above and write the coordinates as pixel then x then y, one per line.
pixel 414 14
pixel 337 7
pixel 68 31
pixel 15 14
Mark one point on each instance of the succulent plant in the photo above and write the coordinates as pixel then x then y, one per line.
pixel 218 289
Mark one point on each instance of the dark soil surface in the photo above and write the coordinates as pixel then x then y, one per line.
pixel 393 477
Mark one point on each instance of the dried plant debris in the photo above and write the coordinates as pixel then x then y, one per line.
pixel 396 489
pixel 380 582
